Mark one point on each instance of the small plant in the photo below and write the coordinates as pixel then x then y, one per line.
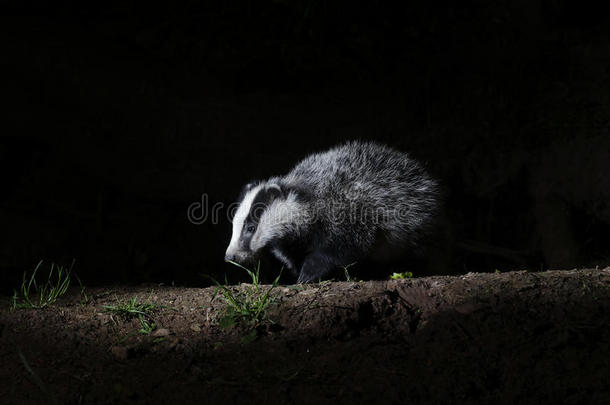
pixel 399 276
pixel 248 306
pixel 346 271
pixel 133 308
pixel 84 298
pixel 36 294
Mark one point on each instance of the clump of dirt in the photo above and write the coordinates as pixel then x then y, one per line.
pixel 509 338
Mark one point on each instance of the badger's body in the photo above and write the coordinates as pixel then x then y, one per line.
pixel 357 201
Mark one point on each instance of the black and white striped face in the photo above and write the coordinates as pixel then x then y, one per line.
pixel 252 229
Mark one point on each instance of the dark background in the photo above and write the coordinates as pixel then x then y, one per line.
pixel 118 117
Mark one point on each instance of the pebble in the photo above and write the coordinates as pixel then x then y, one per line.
pixel 161 332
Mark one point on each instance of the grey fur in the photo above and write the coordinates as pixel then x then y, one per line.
pixel 356 201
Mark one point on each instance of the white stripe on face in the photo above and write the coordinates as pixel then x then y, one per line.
pixel 280 218
pixel 240 216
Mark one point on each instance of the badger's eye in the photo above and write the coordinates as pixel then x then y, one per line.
pixel 250 228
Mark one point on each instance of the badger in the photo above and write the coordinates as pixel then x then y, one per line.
pixel 359 201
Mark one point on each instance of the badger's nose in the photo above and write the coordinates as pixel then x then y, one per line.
pixel 229 258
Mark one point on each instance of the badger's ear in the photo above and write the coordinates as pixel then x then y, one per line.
pixel 275 190
pixel 247 188
pixel 251 185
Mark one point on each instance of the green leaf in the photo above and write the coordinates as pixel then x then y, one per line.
pixel 398 276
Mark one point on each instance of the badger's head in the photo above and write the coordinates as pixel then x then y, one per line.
pixel 267 212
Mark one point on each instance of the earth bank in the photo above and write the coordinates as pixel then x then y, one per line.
pixel 518 337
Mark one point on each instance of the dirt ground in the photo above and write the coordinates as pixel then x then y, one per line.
pixel 519 337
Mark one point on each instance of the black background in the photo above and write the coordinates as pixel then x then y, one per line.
pixel 118 117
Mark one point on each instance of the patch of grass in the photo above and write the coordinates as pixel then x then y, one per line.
pixel 146 326
pixel 38 294
pixel 399 276
pixel 133 308
pixel 130 308
pixel 247 306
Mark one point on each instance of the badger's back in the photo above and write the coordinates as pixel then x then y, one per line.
pixel 364 190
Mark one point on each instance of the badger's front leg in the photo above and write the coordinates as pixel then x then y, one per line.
pixel 285 258
pixel 316 265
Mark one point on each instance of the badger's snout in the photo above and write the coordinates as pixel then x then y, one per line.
pixel 239 256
